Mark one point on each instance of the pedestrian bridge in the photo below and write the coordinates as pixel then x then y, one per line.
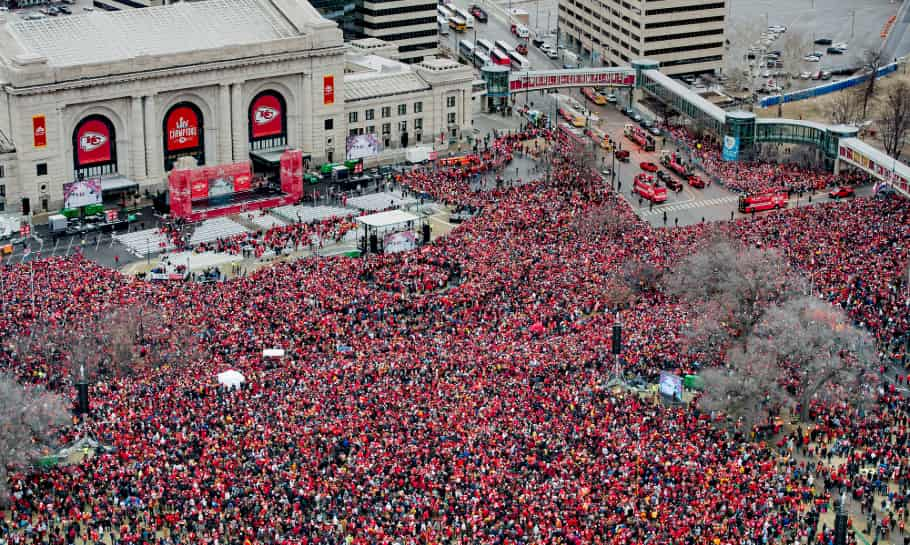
pixel 740 130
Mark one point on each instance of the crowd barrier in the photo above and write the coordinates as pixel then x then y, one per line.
pixel 826 88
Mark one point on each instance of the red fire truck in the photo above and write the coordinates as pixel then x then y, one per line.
pixel 674 164
pixel 763 201
pixel 649 188
pixel 640 137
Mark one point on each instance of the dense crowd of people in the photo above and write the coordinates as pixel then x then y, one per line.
pixel 757 176
pixel 457 393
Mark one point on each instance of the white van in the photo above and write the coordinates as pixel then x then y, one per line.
pixel 522 31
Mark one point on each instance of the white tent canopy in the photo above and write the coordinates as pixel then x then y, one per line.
pixel 231 378
pixel 386 219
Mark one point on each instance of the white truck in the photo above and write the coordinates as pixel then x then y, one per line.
pixel 57 223
pixel 419 154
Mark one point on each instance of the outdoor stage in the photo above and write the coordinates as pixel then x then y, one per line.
pixel 208 192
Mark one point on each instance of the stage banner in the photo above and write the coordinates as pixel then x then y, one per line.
pixel 199 184
pixel 178 185
pixel 292 173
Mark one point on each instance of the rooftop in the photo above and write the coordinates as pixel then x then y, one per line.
pixel 371 76
pixel 100 37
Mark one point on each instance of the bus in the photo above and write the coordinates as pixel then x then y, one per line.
pixel 443 24
pixel 459 12
pixel 572 135
pixel 466 50
pixel 503 45
pixel 481 57
pixel 484 45
pixel 519 61
pixel 445 12
pixel 500 58
pixel 457 24
pixel 600 138
pixel 572 116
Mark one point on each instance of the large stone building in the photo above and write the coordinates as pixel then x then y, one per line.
pixel 123 95
pixel 685 36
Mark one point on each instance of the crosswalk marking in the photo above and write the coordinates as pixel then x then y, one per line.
pixel 660 209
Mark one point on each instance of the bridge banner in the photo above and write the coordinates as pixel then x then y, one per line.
pixel 731 148
pixel 529 81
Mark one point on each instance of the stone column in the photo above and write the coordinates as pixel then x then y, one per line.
pixel 239 135
pixel 154 154
pixel 137 140
pixel 224 124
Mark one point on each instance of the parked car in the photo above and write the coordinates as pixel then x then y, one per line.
pixel 537 42
pixel 835 51
pixel 622 155
pixel 823 41
pixel 812 58
pixel 479 14
pixel 804 75
pixel 65 10
pixel 655 130
pixel 521 49
pixel 777 29
pixel 842 192
pixel 648 166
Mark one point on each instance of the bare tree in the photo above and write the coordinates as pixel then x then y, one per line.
pixel 820 355
pixel 895 121
pixel 872 62
pixel 745 390
pixel 641 276
pixel 29 419
pixel 729 286
pixel 120 342
pixel 846 107
pixel 741 38
pixel 793 47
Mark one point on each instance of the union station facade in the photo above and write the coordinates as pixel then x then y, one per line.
pixel 121 96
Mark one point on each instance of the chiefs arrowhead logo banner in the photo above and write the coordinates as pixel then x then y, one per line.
pixel 267 116
pixel 328 90
pixel 94 142
pixel 39 131
pixel 183 127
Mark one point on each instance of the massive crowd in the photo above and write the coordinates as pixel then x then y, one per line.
pixel 757 176
pixel 458 393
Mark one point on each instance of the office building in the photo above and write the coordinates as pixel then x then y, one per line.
pixel 685 36
pixel 409 24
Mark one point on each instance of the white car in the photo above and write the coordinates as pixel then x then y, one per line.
pixel 840 45
pixel 777 28
pixel 804 75
pixel 812 58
